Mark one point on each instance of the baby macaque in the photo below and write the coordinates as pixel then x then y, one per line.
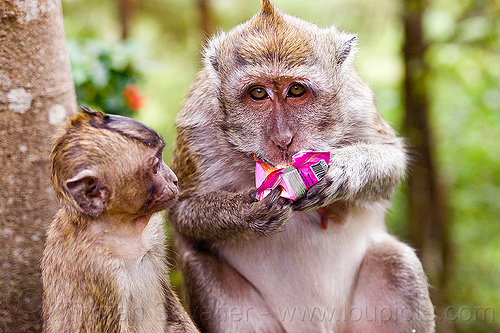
pixel 103 267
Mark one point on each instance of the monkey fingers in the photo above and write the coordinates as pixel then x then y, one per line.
pixel 309 203
pixel 324 192
pixel 269 215
pixel 273 196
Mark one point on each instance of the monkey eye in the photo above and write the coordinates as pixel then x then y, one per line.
pixel 258 93
pixel 156 165
pixel 296 90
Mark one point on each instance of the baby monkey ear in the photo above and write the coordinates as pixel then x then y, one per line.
pixel 88 191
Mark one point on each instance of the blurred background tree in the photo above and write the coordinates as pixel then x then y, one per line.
pixel 435 68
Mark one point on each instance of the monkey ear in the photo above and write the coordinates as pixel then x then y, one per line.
pixel 346 48
pixel 211 51
pixel 88 191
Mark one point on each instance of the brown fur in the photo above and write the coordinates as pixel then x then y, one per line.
pixel 103 267
pixel 271 39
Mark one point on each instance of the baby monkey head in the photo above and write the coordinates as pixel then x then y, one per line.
pixel 109 164
pixel 284 84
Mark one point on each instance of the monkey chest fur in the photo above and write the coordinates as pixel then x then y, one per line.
pixel 306 274
pixel 140 280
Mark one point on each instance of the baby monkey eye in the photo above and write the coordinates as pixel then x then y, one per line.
pixel 156 165
pixel 258 93
pixel 296 90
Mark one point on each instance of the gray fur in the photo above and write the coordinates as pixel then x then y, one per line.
pixel 247 263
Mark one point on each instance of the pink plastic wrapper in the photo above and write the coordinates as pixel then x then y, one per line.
pixel 307 168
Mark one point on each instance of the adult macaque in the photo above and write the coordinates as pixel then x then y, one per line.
pixel 103 268
pixel 271 87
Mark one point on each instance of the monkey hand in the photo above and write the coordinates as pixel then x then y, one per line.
pixel 332 187
pixel 268 215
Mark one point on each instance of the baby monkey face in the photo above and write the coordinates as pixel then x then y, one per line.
pixel 160 183
pixel 143 183
pixel 111 165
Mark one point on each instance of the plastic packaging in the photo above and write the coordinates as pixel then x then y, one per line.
pixel 307 168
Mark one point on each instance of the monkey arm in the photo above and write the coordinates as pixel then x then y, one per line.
pixel 361 172
pixel 216 214
pixel 178 320
pixel 222 215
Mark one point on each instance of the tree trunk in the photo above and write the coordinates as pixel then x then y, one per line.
pixel 206 19
pixel 126 9
pixel 36 93
pixel 427 214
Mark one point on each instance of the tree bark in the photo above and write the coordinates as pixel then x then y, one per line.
pixel 126 9
pixel 206 19
pixel 36 93
pixel 427 209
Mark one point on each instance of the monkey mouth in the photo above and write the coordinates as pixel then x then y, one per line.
pixel 168 195
pixel 281 160
pixel 263 159
pixel 164 199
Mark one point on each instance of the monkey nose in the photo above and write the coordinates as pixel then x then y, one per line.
pixel 170 176
pixel 283 142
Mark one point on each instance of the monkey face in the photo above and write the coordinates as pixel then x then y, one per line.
pixel 147 184
pixel 274 116
pixel 108 164
pixel 283 85
pixel 267 112
pixel 163 189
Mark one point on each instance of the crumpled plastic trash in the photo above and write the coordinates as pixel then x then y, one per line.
pixel 307 168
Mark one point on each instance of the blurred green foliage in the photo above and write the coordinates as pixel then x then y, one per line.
pixel 106 75
pixel 463 58
pixel 464 84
